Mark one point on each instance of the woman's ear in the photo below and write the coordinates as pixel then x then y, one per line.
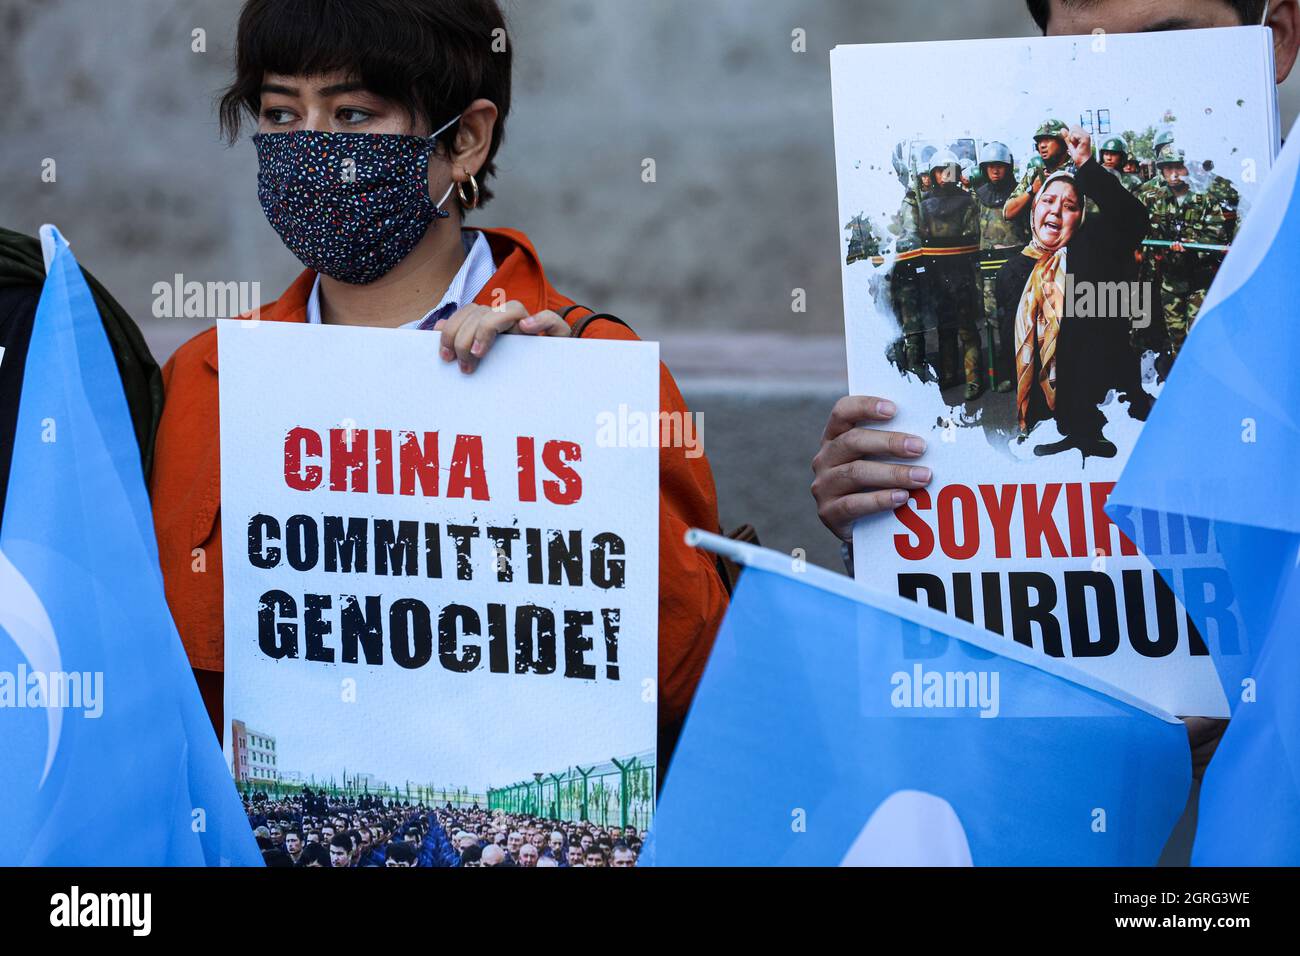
pixel 1284 18
pixel 473 139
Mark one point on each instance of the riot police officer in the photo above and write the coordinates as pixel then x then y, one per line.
pixel 998 237
pixel 949 230
pixel 904 279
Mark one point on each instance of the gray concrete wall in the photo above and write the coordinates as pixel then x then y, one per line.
pixel 743 211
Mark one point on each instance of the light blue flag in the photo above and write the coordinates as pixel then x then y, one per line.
pixel 837 725
pixel 108 757
pixel 1221 454
pixel 1249 810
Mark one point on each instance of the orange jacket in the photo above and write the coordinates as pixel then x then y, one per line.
pixel 186 490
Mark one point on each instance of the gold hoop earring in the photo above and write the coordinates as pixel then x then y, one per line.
pixel 465 201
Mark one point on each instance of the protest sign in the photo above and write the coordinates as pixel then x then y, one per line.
pixel 437 585
pixel 1024 258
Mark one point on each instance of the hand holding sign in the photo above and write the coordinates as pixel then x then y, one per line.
pixel 471 330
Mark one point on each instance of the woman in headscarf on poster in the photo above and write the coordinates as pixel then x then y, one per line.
pixel 1066 360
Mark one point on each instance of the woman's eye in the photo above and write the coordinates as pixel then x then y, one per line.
pixel 276 116
pixel 353 117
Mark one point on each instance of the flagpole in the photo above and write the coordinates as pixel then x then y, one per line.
pixel 733 550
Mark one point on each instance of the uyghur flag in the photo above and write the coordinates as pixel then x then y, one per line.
pixel 840 725
pixel 1221 451
pixel 108 756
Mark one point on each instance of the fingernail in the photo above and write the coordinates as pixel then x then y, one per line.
pixel 464 367
pixel 914 446
pixel 887 409
pixel 446 354
pixel 921 475
pixel 476 348
pixel 899 497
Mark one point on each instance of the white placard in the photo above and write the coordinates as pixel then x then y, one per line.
pixel 436 579
pixel 1043 584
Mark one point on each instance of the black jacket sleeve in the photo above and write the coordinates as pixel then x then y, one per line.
pixel 1122 213
pixel 22 268
pixel 17 310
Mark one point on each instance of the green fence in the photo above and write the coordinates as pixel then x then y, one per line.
pixel 412 793
pixel 618 792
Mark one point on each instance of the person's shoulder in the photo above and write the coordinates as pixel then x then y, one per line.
pixel 1151 188
pixel 201 349
pixel 17 316
pixel 194 351
pixel 594 323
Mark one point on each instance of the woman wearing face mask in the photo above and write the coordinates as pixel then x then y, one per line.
pixel 377 125
pixel 1064 362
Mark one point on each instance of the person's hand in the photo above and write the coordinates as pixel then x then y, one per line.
pixel 850 481
pixel 1203 736
pixel 470 331
pixel 1078 142
pixel 1036 185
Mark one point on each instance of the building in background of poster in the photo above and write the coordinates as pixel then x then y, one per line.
pixel 1026 248
pixel 441 603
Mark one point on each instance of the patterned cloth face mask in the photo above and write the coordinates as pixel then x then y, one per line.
pixel 349 205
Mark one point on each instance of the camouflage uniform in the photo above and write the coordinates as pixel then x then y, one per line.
pixel 1134 180
pixel 1208 216
pixel 1037 169
pixel 998 236
pixel 1224 200
pixel 1131 182
pixel 1050 129
pixel 1115 144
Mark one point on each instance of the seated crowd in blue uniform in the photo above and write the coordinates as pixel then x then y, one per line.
pixel 310 829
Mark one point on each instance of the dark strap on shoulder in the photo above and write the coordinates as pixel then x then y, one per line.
pixel 581 327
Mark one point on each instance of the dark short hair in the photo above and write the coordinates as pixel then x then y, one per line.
pixel 1248 11
pixel 401 853
pixel 432 57
pixel 314 853
pixel 342 841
